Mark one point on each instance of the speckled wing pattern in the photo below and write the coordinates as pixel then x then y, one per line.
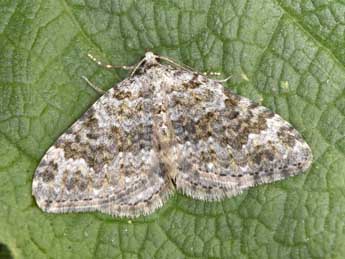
pixel 162 129
pixel 106 161
pixel 227 143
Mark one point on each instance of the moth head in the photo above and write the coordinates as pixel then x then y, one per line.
pixel 150 58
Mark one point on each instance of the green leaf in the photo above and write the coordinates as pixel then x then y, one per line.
pixel 288 55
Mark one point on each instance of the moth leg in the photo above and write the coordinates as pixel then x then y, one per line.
pixel 93 86
pixel 223 80
pixel 135 68
pixel 108 66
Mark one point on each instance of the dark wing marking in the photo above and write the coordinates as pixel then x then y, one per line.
pixel 106 161
pixel 227 143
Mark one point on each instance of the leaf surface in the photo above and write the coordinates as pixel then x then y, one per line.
pixel 288 55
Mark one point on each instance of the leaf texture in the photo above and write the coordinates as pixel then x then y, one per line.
pixel 287 55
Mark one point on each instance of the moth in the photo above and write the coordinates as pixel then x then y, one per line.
pixel 165 128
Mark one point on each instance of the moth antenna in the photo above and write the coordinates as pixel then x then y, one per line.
pixel 211 73
pixel 173 62
pixel 188 68
pixel 108 66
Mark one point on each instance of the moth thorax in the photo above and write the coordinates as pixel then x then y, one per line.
pixel 163 132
